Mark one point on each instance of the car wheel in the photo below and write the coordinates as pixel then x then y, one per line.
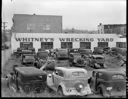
pixel 60 92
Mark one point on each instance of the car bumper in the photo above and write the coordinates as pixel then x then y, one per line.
pixel 74 92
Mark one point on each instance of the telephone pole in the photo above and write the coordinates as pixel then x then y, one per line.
pixel 4 28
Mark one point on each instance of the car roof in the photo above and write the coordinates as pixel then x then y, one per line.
pixel 29 71
pixel 110 71
pixel 71 69
pixel 98 56
pixel 28 54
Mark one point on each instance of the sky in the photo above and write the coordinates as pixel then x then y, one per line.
pixel 78 14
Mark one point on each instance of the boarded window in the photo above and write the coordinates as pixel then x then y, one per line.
pixel 66 44
pixel 47 45
pixel 85 45
pixel 121 44
pixel 102 44
pixel 26 45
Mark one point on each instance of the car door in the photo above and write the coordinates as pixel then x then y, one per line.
pixel 93 80
pixel 58 77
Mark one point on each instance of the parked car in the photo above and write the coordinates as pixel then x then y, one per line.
pixel 98 50
pixel 41 58
pixel 97 61
pixel 117 50
pixel 106 50
pixel 49 65
pixel 108 82
pixel 61 53
pixel 27 79
pixel 85 52
pixel 75 59
pixel 68 81
pixel 28 59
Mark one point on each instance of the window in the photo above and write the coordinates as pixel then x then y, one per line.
pixel 47 45
pixel 45 27
pixel 85 45
pixel 66 44
pixel 78 74
pixel 60 73
pixel 30 27
pixel 102 44
pixel 26 45
pixel 121 44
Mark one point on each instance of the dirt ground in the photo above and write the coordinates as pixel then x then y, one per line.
pixel 110 62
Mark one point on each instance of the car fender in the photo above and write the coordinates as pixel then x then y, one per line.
pixel 63 87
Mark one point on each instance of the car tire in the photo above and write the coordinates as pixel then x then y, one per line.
pixel 60 92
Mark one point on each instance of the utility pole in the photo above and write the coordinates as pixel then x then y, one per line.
pixel 4 28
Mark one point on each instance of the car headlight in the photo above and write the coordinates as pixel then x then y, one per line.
pixel 109 88
pixel 80 86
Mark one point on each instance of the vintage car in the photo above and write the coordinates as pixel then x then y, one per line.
pixel 97 61
pixel 85 52
pixel 108 82
pixel 61 53
pixel 69 81
pixel 27 79
pixel 106 50
pixel 41 58
pixel 75 59
pixel 28 59
pixel 49 65
pixel 98 50
pixel 117 50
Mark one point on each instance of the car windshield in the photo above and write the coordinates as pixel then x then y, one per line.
pixel 29 57
pixel 85 51
pixel 32 78
pixel 78 74
pixel 117 76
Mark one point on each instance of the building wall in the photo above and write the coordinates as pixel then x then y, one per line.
pixel 112 28
pixel 57 38
pixel 23 23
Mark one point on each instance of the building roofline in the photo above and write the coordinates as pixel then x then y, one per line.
pixel 36 15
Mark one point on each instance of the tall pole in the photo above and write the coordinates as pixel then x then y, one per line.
pixel 4 28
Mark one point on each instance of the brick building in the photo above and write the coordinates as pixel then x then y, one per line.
pixel 24 23
pixel 112 28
